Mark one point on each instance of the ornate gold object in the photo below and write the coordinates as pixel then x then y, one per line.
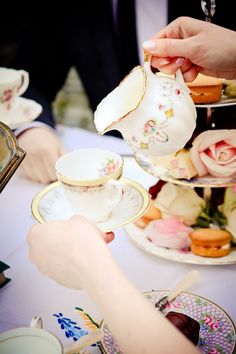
pixel 11 155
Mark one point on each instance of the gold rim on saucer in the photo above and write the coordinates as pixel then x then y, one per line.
pixel 143 193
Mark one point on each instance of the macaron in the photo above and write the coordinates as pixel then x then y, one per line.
pixel 210 242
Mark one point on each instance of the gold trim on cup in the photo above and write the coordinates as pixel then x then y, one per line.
pixel 91 182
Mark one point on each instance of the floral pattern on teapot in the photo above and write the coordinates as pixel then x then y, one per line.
pixel 154 128
pixel 153 112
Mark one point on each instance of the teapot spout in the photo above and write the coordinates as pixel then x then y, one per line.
pixel 119 103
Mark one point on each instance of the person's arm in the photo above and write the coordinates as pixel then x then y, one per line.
pixel 40 142
pixel 74 254
pixel 194 46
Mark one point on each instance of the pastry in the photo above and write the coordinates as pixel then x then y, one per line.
pixel 142 222
pixel 179 165
pixel 205 89
pixel 229 87
pixel 169 233
pixel 230 90
pixel 208 242
pixel 152 213
pixel 187 325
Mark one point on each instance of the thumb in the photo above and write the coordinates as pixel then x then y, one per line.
pixel 167 47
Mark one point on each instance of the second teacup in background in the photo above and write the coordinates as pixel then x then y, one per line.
pixel 90 181
pixel 13 83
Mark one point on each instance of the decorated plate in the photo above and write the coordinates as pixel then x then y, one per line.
pixel 163 174
pixel 51 204
pixel 25 111
pixel 138 237
pixel 217 331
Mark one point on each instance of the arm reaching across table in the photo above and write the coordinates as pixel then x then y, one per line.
pixel 74 254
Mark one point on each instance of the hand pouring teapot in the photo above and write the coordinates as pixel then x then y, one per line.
pixel 154 112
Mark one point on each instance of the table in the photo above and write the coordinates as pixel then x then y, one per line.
pixel 29 293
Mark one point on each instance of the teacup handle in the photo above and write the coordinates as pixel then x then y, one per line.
pixel 119 192
pixel 24 82
pixel 36 322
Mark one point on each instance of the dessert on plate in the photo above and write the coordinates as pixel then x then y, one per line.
pixel 187 325
pixel 152 213
pixel 208 242
pixel 169 233
pixel 179 164
pixel 205 89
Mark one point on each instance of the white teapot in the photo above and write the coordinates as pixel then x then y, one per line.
pixel 154 112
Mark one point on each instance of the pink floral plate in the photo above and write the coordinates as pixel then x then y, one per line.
pixel 138 236
pixel 163 174
pixel 217 331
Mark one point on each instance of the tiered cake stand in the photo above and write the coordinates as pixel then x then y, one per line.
pixel 207 182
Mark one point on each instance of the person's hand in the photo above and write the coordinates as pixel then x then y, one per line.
pixel 194 46
pixel 42 148
pixel 66 250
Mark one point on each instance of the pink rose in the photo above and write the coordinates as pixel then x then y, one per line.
pixel 214 152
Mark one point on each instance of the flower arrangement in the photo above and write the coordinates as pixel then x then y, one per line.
pixel 213 152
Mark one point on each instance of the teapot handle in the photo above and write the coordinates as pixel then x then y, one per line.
pixel 150 73
pixel 178 76
pixel 147 65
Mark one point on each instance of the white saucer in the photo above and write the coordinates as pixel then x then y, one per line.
pixel 51 204
pixel 25 111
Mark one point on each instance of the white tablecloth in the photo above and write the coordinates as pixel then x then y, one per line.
pixel 29 293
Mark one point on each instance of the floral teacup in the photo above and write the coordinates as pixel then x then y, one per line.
pixel 13 83
pixel 90 181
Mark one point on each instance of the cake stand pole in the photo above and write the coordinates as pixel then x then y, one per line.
pixel 207 194
pixel 209 117
pixel 209 8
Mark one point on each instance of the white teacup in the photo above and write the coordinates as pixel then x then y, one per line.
pixel 13 83
pixel 89 179
pixel 35 340
pixel 28 340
